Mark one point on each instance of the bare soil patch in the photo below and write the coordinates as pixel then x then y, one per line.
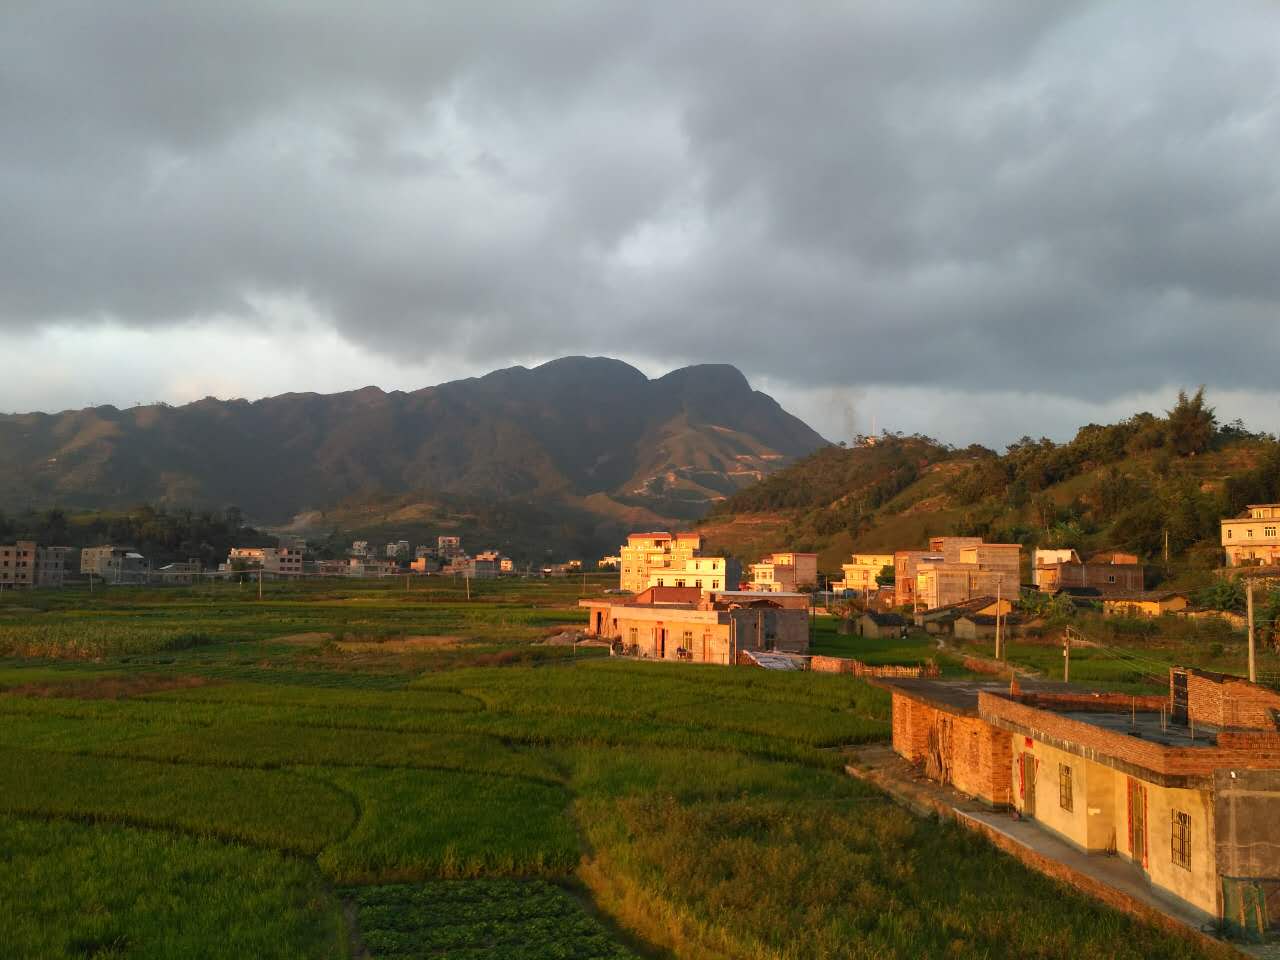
pixel 402 644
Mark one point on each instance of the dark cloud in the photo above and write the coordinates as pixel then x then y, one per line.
pixel 1076 200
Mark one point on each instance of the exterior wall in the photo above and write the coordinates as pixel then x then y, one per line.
pixel 860 574
pixel 647 552
pixel 975 754
pixel 705 573
pixel 1224 701
pixel 942 585
pixel 950 547
pixel 1255 538
pixel 710 636
pixel 906 567
pixel 1125 607
pixel 1197 886
pixel 1104 577
pixel 112 564
pixel 1003 558
pixel 1045 558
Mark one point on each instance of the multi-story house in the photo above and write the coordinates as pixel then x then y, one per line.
pixel 26 564
pixel 114 564
pixel 861 571
pixel 448 547
pixel 360 548
pixel 645 553
pixel 398 550
pixel 785 573
pixel 1253 538
pixel 704 573
pixel 283 561
pixel 1106 574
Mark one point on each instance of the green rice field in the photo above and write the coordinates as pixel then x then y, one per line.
pixel 372 771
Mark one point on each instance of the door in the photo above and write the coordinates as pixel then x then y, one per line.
pixel 662 643
pixel 1028 785
pixel 1180 696
pixel 1138 822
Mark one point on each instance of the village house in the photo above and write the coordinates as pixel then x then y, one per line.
pixel 114 564
pixel 448 547
pixel 875 625
pixel 861 571
pixel 277 561
pixel 609 563
pixel 1104 574
pixel 942 619
pixel 398 550
pixel 907 565
pixel 1151 604
pixel 982 626
pixel 956 569
pixel 685 623
pixel 1184 786
pixel 1251 539
pixel 785 573
pixel 1047 557
pixel 27 564
pixel 647 553
pixel 705 573
pixel 184 572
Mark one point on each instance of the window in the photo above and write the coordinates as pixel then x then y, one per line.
pixel 1065 800
pixel 679 583
pixel 1180 842
pixel 632 636
pixel 1269 532
pixel 1111 578
pixel 1230 534
pixel 686 640
pixel 1250 532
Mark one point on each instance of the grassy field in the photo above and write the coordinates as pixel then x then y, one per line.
pixel 367 771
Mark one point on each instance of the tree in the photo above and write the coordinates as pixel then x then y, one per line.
pixel 886 576
pixel 1192 424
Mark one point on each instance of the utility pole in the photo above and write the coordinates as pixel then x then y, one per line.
pixel 1253 666
pixel 999 581
pixel 1066 655
pixel 467 581
pixel 259 583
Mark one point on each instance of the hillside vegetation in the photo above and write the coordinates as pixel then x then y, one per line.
pixel 588 439
pixel 1124 486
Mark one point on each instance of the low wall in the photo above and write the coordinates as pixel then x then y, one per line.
pixel 860 669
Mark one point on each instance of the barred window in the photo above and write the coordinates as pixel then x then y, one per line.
pixel 1065 798
pixel 1180 842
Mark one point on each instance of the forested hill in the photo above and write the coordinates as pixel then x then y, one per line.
pixel 590 435
pixel 1121 486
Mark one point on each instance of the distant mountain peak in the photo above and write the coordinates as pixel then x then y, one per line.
pixel 576 428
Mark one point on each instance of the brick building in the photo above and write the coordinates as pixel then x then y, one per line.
pixel 278 561
pixel 685 623
pixel 1106 573
pixel 1183 786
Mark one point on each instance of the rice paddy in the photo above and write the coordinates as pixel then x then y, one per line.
pixel 271 790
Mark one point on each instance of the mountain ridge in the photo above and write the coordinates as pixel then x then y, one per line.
pixel 572 430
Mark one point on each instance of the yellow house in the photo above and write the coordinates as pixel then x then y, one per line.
pixel 785 572
pixel 645 553
pixel 705 573
pixel 1144 604
pixel 861 571
pixel 1253 537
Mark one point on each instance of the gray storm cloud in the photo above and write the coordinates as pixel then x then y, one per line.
pixel 1071 199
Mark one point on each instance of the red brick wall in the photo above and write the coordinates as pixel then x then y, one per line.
pixel 1230 702
pixel 1258 750
pixel 979 754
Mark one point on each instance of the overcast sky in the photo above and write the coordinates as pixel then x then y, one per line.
pixel 974 220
